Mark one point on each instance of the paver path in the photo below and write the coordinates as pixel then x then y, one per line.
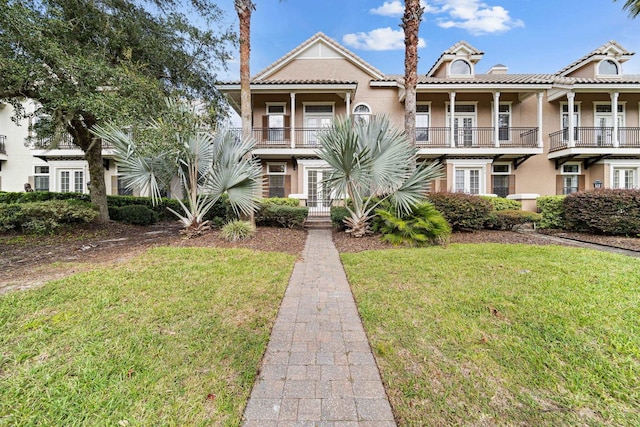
pixel 318 369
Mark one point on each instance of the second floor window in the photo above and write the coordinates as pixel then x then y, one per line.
pixel 423 121
pixel 361 114
pixel 275 122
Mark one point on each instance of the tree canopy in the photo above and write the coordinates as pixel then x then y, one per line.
pixel 86 62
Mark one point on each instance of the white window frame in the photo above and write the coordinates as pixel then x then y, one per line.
pixel 624 164
pixel 563 172
pixel 508 165
pixel 509 113
pixel 617 64
pixel 467 165
pixel 37 174
pixel 362 115
pixel 470 64
pixel 276 164
pixel 574 174
pixel 428 116
pixel 278 132
pixel 72 180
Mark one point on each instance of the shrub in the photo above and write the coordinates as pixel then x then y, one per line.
pixel 552 210
pixel 508 219
pixel 45 217
pixel 137 215
pixel 423 225
pixel 281 201
pixel 338 214
pixel 281 216
pixel 503 204
pixel 237 230
pixel 462 211
pixel 221 212
pixel 41 196
pixel 605 211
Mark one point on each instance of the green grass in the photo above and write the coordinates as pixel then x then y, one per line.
pixel 175 337
pixel 503 335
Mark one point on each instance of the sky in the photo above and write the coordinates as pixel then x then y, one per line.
pixel 528 36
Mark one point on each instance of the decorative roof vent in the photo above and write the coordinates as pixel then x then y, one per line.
pixel 498 69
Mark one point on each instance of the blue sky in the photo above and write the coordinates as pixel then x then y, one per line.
pixel 528 36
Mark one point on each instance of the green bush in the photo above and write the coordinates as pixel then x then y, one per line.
pixel 338 214
pixel 604 211
pixel 137 215
pixel 508 219
pixel 503 204
pixel 160 209
pixel 41 196
pixel 462 211
pixel 44 217
pixel 423 225
pixel 281 216
pixel 281 201
pixel 552 210
pixel 221 212
pixel 237 230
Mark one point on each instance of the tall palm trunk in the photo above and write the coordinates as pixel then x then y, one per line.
pixel 244 9
pixel 411 25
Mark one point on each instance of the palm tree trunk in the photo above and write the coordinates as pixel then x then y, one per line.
pixel 411 25
pixel 244 9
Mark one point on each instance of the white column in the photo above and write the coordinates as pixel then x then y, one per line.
pixel 572 141
pixel 452 113
pixel 496 118
pixel 348 101
pixel 292 121
pixel 614 109
pixel 539 117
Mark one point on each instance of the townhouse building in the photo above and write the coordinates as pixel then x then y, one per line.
pixel 512 135
pixel 495 133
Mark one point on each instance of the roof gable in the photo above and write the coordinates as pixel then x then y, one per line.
pixel 319 46
pixel 462 49
pixel 609 50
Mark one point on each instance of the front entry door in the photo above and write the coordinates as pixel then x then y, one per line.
pixel 318 192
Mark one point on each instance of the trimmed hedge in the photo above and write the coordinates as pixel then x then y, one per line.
pixel 134 214
pixel 606 211
pixel 552 210
pixel 462 211
pixel 338 214
pixel 511 218
pixel 271 215
pixel 44 217
pixel 503 204
pixel 281 201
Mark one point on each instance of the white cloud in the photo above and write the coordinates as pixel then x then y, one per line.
pixel 395 9
pixel 378 39
pixel 477 17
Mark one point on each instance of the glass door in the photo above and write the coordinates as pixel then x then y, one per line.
pixel 463 130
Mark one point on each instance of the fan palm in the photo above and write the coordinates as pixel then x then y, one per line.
pixel 632 6
pixel 372 162
pixel 207 165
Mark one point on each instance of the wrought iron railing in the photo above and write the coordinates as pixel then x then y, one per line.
pixel 476 137
pixel 65 143
pixel 590 137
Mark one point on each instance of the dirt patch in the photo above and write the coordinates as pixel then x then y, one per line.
pixel 27 261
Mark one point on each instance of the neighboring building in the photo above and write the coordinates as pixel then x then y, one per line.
pixel 496 133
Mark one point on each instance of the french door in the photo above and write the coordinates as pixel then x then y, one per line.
pixel 314 125
pixel 463 130
pixel 318 192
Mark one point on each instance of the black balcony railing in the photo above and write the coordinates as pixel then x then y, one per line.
pixel 3 147
pixel 593 137
pixel 65 143
pixel 476 137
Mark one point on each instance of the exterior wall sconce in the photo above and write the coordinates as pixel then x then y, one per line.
pixel 597 184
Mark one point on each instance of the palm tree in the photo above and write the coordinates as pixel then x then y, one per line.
pixel 244 8
pixel 207 164
pixel 632 6
pixel 411 26
pixel 372 162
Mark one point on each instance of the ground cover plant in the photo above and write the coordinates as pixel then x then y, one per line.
pixel 503 335
pixel 173 337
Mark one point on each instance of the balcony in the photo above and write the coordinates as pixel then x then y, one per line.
pixel 66 143
pixel 596 138
pixel 426 138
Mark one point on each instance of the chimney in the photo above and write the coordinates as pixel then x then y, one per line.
pixel 498 69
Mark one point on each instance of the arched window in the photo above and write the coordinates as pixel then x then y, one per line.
pixel 361 113
pixel 460 67
pixel 608 68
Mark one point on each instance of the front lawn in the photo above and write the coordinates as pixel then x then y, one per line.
pixel 503 334
pixel 173 337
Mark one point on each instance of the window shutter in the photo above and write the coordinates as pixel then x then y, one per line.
pixel 581 182
pixel 492 184
pixel 287 122
pixel 114 185
pixel 287 185
pixel 559 185
pixel 512 184
pixel 265 129
pixel 265 186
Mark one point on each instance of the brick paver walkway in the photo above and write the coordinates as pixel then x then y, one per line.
pixel 318 369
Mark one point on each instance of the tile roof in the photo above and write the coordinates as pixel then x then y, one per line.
pixel 295 82
pixel 599 51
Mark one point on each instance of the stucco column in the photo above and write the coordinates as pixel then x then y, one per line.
pixel 570 107
pixel 452 113
pixel 348 101
pixel 539 119
pixel 614 110
pixel 496 119
pixel 292 121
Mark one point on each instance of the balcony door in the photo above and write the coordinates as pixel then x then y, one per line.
pixel 463 125
pixel 316 118
pixel 604 124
